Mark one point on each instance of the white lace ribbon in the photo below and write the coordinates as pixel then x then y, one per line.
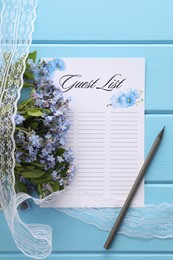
pixel 17 20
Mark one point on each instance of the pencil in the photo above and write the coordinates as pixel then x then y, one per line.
pixel 134 189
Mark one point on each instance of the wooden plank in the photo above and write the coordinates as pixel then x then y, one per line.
pixel 98 256
pixel 159 67
pixel 93 21
pixel 103 21
pixel 160 169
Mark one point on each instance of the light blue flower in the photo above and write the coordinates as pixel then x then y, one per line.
pixel 60 64
pixel 60 159
pixel 35 140
pixel 18 156
pixel 136 93
pixel 51 165
pixel 19 119
pixel 44 153
pixel 49 147
pixel 54 175
pixel 30 149
pixel 21 136
pixel 56 64
pixel 61 182
pixel 68 155
pixel 48 136
pixel 39 102
pixel 44 71
pixel 125 99
pixel 62 141
pixel 50 158
pixel 118 101
pixel 58 113
pixel 48 120
pixel 130 99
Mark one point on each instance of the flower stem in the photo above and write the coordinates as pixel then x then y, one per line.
pixel 20 129
pixel 21 107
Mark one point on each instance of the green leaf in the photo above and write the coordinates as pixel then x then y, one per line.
pixel 43 179
pixel 32 56
pixel 18 165
pixel 60 151
pixel 32 174
pixel 27 85
pixel 33 125
pixel 39 190
pixel 25 103
pixel 28 75
pixel 55 186
pixel 28 167
pixel 34 112
pixel 39 165
pixel 19 186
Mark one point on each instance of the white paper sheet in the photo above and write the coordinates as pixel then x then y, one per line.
pixel 108 142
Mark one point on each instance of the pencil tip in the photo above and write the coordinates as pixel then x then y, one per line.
pixel 161 132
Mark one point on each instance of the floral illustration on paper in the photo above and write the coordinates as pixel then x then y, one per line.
pixel 126 99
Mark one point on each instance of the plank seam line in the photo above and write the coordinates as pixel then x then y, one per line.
pixel 99 253
pixel 111 42
pixel 159 182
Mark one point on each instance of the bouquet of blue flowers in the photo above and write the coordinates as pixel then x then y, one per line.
pixel 43 164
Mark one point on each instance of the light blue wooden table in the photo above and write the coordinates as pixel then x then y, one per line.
pixel 111 28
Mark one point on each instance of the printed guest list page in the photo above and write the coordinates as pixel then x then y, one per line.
pixel 107 129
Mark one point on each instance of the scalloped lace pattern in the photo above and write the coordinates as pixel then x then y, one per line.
pixel 17 20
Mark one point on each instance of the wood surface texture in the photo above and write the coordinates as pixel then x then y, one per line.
pixel 111 28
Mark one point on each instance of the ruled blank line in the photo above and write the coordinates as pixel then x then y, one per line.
pixel 103 125
pixel 91 142
pixel 123 163
pixel 91 134
pixel 93 177
pixel 90 129
pixel 90 120
pixel 92 189
pixel 126 142
pixel 124 138
pixel 90 146
pixel 123 133
pixel 124 125
pixel 91 138
pixel 123 159
pixel 124 146
pixel 114 112
pixel 133 121
pixel 84 163
pixel 90 174
pixel 85 159
pixel 91 112
pixel 115 168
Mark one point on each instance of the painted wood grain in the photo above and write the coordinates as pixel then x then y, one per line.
pixel 88 256
pixel 111 28
pixel 104 21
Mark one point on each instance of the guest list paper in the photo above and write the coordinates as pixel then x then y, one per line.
pixel 107 129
